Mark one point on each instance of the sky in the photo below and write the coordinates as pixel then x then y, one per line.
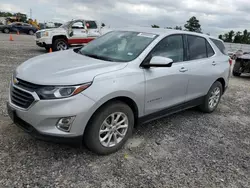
pixel 215 16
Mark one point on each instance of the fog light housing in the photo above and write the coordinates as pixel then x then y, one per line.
pixel 64 124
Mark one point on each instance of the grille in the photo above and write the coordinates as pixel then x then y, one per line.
pixel 27 85
pixel 38 35
pixel 21 98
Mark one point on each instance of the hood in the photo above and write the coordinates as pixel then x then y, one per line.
pixel 64 68
pixel 59 29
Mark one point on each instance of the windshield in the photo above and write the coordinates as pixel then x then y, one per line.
pixel 120 46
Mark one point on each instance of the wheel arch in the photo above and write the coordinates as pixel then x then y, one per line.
pixel 59 37
pixel 125 99
pixel 223 83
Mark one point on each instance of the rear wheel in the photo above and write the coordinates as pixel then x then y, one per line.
pixel 109 128
pixel 212 98
pixel 236 73
pixel 6 30
pixel 237 69
pixel 60 44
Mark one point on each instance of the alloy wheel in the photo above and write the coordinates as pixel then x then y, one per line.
pixel 214 98
pixel 113 129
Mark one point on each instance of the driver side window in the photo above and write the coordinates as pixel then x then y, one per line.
pixel 170 47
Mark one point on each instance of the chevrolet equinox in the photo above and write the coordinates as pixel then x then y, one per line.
pixel 96 94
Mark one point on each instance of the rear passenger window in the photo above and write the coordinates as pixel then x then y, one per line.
pixel 219 45
pixel 210 51
pixel 197 47
pixel 171 47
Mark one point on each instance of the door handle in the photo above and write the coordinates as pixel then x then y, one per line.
pixel 214 63
pixel 183 69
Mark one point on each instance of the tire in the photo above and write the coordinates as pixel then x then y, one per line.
pixel 31 32
pixel 60 44
pixel 206 107
pixel 236 69
pixel 236 74
pixel 92 136
pixel 6 30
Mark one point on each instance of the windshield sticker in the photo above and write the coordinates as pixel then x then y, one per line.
pixel 130 53
pixel 148 35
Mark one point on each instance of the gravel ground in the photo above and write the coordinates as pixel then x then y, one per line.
pixel 188 149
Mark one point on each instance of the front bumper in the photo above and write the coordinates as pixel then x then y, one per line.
pixel 44 42
pixel 40 119
pixel 76 140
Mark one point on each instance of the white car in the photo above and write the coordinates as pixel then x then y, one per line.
pixel 76 32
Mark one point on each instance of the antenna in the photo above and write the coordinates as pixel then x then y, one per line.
pixel 30 13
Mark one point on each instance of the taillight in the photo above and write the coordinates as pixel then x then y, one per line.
pixel 230 62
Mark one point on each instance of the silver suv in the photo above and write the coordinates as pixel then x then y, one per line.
pixel 98 93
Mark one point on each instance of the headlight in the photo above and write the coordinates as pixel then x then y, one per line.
pixel 44 34
pixel 57 92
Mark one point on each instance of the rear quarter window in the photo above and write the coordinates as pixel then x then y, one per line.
pixel 219 45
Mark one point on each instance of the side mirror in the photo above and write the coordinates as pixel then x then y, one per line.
pixel 159 61
pixel 71 33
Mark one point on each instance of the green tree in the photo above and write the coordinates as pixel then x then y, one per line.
pixel 193 25
pixel 228 37
pixel 237 37
pixel 168 28
pixel 178 28
pixel 221 37
pixel 155 26
pixel 245 37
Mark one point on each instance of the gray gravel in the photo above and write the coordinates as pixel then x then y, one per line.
pixel 188 149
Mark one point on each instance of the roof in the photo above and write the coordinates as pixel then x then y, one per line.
pixel 162 31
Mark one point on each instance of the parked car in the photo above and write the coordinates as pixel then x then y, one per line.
pixel 98 93
pixel 75 32
pixel 20 27
pixel 241 65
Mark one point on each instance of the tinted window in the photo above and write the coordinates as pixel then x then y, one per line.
pixel 197 47
pixel 91 25
pixel 171 47
pixel 210 51
pixel 219 45
pixel 27 25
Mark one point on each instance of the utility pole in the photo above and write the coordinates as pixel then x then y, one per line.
pixel 30 13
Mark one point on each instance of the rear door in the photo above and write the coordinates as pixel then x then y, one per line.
pixel 166 86
pixel 201 66
pixel 92 28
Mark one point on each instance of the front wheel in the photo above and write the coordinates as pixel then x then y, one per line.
pixel 60 44
pixel 109 128
pixel 31 32
pixel 212 98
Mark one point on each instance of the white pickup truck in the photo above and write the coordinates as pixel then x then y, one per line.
pixel 76 32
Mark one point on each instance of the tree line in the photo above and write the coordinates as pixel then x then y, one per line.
pixel 236 37
pixel 193 24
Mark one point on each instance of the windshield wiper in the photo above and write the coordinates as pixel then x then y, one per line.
pixel 97 56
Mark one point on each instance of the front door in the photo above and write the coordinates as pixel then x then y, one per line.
pixel 79 33
pixel 166 86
